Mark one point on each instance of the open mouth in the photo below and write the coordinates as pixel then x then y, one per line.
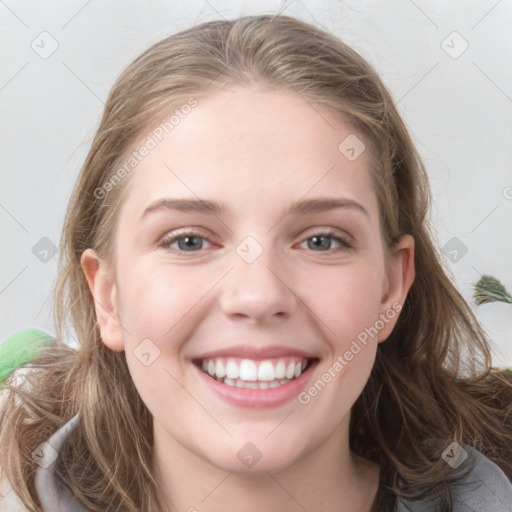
pixel 255 374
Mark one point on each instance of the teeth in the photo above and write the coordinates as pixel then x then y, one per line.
pixel 254 374
pixel 266 371
pixel 280 371
pixel 248 370
pixel 219 369
pixel 239 383
pixel 231 370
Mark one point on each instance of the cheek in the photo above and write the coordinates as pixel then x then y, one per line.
pixel 347 301
pixel 154 309
pixel 154 299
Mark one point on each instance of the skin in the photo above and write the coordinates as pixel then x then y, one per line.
pixel 258 151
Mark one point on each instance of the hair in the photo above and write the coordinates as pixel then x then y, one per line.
pixel 432 382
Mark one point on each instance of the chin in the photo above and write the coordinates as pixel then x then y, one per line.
pixel 254 458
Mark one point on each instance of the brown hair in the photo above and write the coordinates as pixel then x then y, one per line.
pixel 432 382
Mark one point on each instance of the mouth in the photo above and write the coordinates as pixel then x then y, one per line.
pixel 255 374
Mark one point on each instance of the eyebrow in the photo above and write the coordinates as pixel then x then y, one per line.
pixel 204 206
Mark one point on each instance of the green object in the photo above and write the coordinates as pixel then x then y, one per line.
pixel 20 349
pixel 489 289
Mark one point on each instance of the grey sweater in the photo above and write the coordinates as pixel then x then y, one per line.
pixel 484 489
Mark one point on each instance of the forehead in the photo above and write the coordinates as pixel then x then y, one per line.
pixel 251 148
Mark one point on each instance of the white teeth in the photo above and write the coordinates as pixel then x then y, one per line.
pixel 232 370
pixel 266 371
pixel 269 373
pixel 290 371
pixel 248 370
pixel 280 371
pixel 239 383
pixel 219 369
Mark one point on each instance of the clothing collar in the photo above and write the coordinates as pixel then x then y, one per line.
pixel 53 495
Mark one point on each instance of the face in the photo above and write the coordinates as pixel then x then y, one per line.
pixel 254 316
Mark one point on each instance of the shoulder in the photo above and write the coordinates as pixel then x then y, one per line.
pixel 52 494
pixel 484 488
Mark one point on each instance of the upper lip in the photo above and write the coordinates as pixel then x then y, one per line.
pixel 256 353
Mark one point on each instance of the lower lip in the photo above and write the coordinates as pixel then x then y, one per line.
pixel 258 398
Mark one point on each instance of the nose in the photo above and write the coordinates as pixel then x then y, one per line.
pixel 258 292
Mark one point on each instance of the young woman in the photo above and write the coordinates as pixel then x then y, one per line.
pixel 264 321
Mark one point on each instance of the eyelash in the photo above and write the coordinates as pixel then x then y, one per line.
pixel 170 239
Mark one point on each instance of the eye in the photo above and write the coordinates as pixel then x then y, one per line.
pixel 323 241
pixel 187 241
pixel 192 241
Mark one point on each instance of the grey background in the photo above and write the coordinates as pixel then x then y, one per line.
pixel 61 58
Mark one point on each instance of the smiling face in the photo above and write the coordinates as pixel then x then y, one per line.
pixel 272 276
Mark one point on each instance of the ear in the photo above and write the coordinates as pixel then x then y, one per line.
pixel 104 291
pixel 399 278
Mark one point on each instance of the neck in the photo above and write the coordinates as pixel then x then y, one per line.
pixel 329 478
